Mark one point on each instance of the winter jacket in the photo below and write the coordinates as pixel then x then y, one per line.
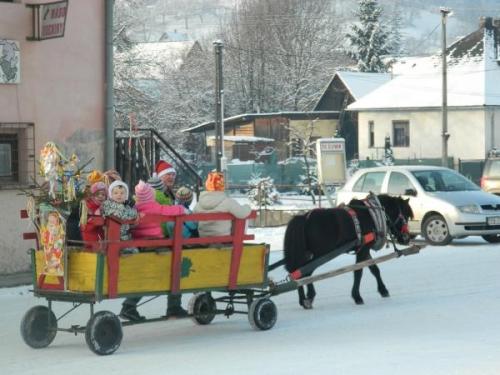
pixel 120 211
pixel 189 229
pixel 165 199
pixel 153 230
pixel 217 201
pixel 91 232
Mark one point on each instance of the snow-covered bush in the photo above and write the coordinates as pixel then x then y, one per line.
pixel 263 192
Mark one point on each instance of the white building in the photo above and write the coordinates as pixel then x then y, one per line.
pixel 408 108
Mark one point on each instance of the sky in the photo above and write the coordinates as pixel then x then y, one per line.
pixel 441 319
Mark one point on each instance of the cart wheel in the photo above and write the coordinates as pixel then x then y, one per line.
pixel 202 308
pixel 262 314
pixel 38 327
pixel 103 333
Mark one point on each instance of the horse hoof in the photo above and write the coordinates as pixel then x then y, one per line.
pixel 385 294
pixel 308 304
pixel 359 301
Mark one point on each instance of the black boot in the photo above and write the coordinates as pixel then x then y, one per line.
pixel 129 310
pixel 174 308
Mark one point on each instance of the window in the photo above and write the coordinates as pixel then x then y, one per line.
pixel 371 181
pixel 401 133
pixel 398 184
pixel 371 134
pixel 17 154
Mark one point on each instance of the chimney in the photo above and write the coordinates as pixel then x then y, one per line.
pixel 486 22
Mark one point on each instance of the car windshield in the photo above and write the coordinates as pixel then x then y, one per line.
pixel 443 180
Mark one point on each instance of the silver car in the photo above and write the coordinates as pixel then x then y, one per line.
pixel 446 205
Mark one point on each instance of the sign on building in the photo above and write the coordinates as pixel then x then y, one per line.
pixel 10 64
pixel 49 20
pixel 331 160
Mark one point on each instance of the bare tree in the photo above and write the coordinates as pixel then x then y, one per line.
pixel 280 52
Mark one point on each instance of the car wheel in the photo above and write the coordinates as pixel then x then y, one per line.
pixel 436 231
pixel 492 238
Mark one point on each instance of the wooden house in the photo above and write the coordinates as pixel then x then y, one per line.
pixel 343 89
pixel 249 137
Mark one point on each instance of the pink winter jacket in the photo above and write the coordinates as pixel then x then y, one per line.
pixel 152 230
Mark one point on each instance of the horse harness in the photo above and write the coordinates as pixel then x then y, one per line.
pixel 375 209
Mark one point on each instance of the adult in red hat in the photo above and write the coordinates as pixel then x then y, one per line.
pixel 166 173
pixel 166 196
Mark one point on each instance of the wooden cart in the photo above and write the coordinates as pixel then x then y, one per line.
pixel 178 265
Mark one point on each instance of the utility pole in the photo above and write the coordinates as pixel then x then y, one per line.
pixel 219 107
pixel 444 158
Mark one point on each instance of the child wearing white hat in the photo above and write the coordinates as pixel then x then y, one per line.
pixel 116 206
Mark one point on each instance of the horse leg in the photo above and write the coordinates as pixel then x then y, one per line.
pixel 307 303
pixel 302 296
pixel 361 255
pixel 355 287
pixel 380 284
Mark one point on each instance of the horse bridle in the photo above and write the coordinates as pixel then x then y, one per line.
pixel 393 224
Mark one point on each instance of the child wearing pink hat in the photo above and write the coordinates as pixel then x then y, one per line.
pixel 146 204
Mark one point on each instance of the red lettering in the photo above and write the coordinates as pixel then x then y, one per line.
pixel 58 12
pixel 51 30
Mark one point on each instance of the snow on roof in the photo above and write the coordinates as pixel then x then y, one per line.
pixel 241 138
pixel 361 84
pixel 160 55
pixel 473 76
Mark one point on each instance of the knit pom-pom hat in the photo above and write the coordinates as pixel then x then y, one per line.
pixel 215 181
pixel 98 186
pixel 144 192
pixel 156 183
pixel 184 195
pixel 115 184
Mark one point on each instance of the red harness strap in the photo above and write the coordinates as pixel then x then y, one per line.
pixel 362 240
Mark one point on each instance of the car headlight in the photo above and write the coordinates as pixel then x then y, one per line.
pixel 470 209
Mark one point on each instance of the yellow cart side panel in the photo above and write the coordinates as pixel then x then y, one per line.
pixel 82 270
pixel 144 272
pixel 202 268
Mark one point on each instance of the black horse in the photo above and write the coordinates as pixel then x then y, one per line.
pixel 362 222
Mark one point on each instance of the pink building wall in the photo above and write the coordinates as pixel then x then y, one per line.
pixel 61 92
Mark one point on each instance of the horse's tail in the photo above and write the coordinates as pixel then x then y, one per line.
pixel 294 245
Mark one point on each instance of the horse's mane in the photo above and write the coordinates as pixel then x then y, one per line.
pixel 401 203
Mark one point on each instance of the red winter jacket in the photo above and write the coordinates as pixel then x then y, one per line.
pixel 92 232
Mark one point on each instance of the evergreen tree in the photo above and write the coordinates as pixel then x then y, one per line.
pixel 263 192
pixel 369 38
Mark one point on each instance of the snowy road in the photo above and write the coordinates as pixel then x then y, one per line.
pixel 442 318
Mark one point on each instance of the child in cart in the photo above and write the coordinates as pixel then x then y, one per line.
pixel 146 204
pixel 90 209
pixel 184 197
pixel 116 206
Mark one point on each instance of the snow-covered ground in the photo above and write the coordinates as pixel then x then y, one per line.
pixel 441 318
